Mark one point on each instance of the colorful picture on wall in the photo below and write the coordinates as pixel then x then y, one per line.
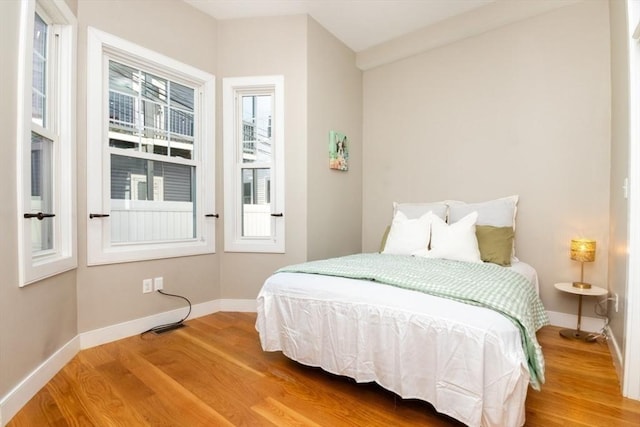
pixel 338 151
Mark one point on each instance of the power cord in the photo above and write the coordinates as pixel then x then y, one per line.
pixel 600 309
pixel 169 326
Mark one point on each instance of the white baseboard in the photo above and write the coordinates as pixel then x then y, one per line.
pixel 133 327
pixel 616 353
pixel 238 305
pixel 570 321
pixel 13 401
pixel 23 392
pixel 136 326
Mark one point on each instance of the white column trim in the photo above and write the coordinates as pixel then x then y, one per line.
pixel 630 361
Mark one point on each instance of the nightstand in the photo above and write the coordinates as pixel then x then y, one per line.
pixel 593 291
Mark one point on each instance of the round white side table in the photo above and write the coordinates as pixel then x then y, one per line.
pixel 593 291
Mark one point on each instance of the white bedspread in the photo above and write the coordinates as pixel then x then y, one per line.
pixel 465 360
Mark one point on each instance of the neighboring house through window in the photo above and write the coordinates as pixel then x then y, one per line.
pixel 254 164
pixel 151 129
pixel 46 140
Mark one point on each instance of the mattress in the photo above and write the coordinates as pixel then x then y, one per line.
pixel 467 361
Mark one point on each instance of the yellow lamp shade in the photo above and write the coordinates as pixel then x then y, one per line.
pixel 583 250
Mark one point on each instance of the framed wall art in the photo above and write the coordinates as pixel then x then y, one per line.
pixel 338 151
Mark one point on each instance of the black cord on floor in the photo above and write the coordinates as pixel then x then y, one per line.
pixel 169 326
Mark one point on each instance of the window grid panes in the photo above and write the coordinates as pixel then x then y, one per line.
pixel 43 140
pixel 256 202
pixel 150 114
pixel 256 112
pixel 152 200
pixel 256 128
pixel 39 78
pixel 42 233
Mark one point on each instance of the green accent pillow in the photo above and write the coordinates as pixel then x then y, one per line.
pixel 495 244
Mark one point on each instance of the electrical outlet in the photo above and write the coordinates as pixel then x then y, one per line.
pixel 147 286
pixel 616 303
pixel 158 283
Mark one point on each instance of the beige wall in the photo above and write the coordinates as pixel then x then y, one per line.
pixel 523 109
pixel 334 214
pixel 618 227
pixel 37 319
pixel 322 93
pixel 111 294
pixel 268 46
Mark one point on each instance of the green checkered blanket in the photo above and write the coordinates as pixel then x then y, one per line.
pixel 485 285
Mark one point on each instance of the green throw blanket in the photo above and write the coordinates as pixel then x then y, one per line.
pixel 485 285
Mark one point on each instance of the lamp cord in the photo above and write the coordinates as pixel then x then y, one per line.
pixel 173 324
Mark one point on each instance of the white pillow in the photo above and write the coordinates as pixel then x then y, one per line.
pixel 497 213
pixel 416 210
pixel 408 236
pixel 456 241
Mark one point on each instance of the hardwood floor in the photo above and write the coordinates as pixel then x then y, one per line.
pixel 214 373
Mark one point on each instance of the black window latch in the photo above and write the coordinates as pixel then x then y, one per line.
pixel 39 215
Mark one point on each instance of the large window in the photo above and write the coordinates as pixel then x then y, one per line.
pixel 254 164
pixel 150 127
pixel 46 140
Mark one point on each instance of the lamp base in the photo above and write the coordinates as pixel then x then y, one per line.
pixel 582 285
pixel 578 335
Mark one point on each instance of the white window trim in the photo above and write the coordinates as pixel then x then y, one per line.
pixel 233 240
pixel 64 255
pixel 99 248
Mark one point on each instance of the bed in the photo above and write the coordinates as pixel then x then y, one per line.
pixel 406 322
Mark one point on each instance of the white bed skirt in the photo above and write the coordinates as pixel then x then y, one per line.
pixel 466 361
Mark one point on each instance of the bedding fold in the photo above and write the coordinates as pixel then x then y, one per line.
pixel 485 285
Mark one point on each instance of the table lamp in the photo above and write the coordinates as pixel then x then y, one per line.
pixel 583 250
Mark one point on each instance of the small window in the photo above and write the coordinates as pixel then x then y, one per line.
pixel 46 140
pixel 254 164
pixel 154 137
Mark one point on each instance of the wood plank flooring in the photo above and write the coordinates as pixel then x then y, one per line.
pixel 214 373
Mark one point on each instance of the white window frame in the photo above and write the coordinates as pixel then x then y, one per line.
pixel 61 101
pixel 233 239
pixel 101 47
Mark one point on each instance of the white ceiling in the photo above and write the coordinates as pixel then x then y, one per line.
pixel 360 24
